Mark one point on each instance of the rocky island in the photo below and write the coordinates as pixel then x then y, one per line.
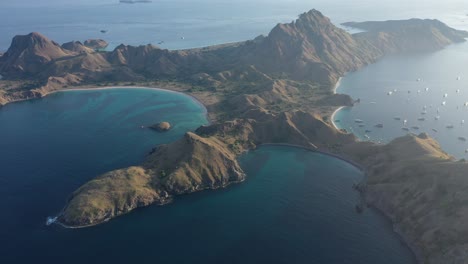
pixel 161 127
pixel 273 89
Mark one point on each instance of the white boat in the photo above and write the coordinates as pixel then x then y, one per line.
pixel 390 93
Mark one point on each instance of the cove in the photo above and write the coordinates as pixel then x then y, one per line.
pixel 296 206
pixel 430 91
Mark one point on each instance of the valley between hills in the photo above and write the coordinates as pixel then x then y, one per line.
pixel 272 89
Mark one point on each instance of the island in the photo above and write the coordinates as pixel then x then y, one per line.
pixel 277 89
pixel 161 127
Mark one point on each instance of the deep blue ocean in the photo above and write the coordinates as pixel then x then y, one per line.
pixel 295 207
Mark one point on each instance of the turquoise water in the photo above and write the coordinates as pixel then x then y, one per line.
pixel 295 207
pixel 445 76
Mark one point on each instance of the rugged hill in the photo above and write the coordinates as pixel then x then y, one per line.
pixel 408 35
pixel 191 164
pixel 310 48
pixel 423 191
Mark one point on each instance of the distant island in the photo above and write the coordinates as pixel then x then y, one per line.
pixel 135 1
pixel 272 89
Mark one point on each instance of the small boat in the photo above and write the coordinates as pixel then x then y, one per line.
pixel 405 129
pixel 161 42
pixel 415 127
pixel 458 78
pixel 450 126
pixel 367 131
pixel 458 90
pixel 462 138
pixel 437 118
pixel 418 79
pixel 50 220
pixel 422 119
pixel 395 90
pixel 397 118
pixel 435 130
pixel 359 121
pixel 182 38
pixel 444 103
pixel 103 31
pixel 445 95
pixel 379 125
pixel 390 93
pixel 423 113
pixel 466 104
pixel 427 89
pixel 337 121
pixel 463 122
pixel 466 150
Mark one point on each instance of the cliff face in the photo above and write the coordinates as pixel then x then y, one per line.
pixel 191 164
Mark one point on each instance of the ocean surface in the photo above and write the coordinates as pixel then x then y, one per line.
pixel 429 91
pixel 295 207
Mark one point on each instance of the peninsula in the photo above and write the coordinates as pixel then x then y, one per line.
pixel 272 89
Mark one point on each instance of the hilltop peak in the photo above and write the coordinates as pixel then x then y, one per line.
pixel 28 54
